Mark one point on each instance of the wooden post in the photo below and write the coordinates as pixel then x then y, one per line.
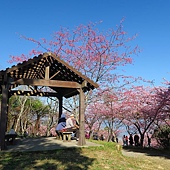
pixel 60 98
pixel 3 116
pixel 81 141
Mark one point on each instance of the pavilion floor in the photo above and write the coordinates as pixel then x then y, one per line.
pixel 43 144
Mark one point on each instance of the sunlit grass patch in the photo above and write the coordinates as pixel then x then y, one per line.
pixel 92 158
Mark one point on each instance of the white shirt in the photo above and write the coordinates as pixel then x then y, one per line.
pixel 69 123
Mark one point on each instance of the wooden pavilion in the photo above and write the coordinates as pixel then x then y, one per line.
pixel 45 70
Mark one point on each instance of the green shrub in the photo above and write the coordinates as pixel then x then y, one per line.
pixel 162 135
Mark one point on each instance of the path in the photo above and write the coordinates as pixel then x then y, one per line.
pixel 150 153
pixel 43 144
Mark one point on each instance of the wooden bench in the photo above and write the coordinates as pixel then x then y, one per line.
pixel 67 136
pixel 10 138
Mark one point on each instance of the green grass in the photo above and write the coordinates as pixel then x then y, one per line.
pixel 91 158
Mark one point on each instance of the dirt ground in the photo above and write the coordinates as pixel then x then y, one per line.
pixel 42 144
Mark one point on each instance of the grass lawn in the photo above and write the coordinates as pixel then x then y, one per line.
pixel 91 158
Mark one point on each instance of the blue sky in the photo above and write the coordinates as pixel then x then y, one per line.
pixel 150 19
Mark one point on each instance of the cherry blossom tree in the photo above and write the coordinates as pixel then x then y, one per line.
pixel 141 108
pixel 96 54
pixel 93 119
pixel 103 113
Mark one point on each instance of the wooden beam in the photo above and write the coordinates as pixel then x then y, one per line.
pixel 49 83
pixel 74 70
pixel 84 84
pixel 67 93
pixel 54 75
pixel 33 93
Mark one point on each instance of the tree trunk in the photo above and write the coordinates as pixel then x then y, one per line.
pixel 141 139
pixel 37 125
pixel 21 112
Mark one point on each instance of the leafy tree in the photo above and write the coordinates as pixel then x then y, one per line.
pixel 52 116
pixel 162 135
pixel 17 106
pixel 39 109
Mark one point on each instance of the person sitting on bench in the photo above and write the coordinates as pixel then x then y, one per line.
pixel 72 126
pixel 61 125
pixel 10 136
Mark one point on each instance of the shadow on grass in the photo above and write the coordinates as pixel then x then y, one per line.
pixel 67 159
pixel 62 157
pixel 148 151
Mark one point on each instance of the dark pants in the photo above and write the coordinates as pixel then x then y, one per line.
pixel 59 134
